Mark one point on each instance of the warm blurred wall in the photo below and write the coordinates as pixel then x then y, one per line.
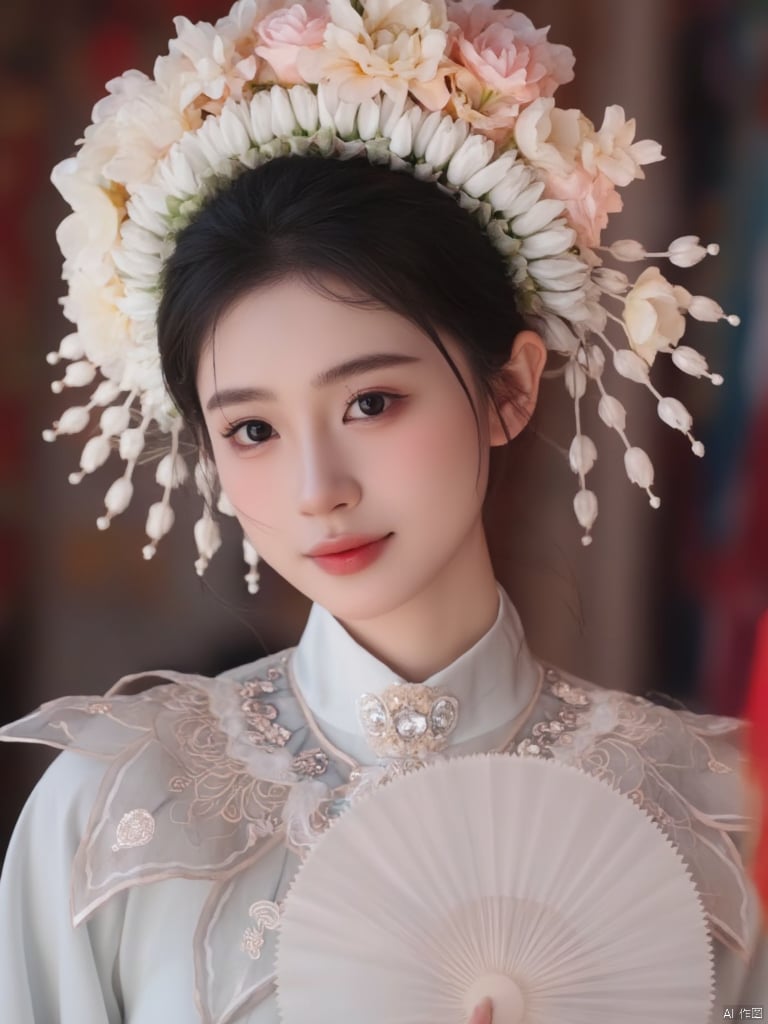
pixel 79 608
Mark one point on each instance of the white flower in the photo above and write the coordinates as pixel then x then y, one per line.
pixel 212 67
pixel 540 215
pixel 613 150
pixel 425 133
pixel 487 178
pixel 553 242
pixel 474 155
pixel 504 195
pixel 447 139
pixel 652 319
pixel 304 105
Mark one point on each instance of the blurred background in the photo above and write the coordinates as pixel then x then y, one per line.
pixel 664 601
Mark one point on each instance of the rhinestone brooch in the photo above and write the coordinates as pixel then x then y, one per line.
pixel 407 720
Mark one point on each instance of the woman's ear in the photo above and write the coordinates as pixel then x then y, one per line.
pixel 517 387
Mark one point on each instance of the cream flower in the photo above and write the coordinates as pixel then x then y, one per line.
pixel 133 128
pixel 211 66
pixel 103 331
pixel 394 46
pixel 88 234
pixel 503 63
pixel 282 34
pixel 651 316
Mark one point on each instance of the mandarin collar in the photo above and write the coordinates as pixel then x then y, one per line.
pixel 469 705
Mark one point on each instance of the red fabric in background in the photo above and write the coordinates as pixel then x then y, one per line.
pixel 757 714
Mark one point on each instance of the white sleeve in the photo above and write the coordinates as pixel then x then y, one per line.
pixel 49 971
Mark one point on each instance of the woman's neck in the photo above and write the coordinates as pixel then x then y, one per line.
pixel 441 622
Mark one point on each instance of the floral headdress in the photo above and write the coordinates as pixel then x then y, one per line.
pixel 460 95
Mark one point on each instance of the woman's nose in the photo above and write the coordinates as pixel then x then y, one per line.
pixel 326 480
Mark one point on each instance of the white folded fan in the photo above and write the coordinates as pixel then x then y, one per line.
pixel 522 879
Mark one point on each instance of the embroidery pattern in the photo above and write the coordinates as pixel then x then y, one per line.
pixel 310 763
pixel 266 917
pixel 546 734
pixel 215 784
pixel 136 828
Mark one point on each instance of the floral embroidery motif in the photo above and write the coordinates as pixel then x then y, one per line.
pixel 136 828
pixel 261 717
pixel 556 730
pixel 266 917
pixel 310 763
pixel 98 707
pixel 214 783
pixel 408 720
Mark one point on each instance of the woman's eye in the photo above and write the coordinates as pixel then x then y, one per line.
pixel 372 403
pixel 250 434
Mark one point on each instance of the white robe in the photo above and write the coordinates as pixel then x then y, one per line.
pixel 145 876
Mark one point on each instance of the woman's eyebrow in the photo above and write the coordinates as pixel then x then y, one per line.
pixel 349 368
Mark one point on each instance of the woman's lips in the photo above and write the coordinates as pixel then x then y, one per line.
pixel 342 563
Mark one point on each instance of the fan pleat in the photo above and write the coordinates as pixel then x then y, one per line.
pixel 501 865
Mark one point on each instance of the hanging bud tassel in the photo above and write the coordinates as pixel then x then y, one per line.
pixel 675 415
pixel 116 500
pixel 585 507
pixel 159 522
pixel 640 471
pixel 171 471
pixel 94 455
pixel 208 541
pixel 252 561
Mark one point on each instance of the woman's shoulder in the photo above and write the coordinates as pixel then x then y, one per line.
pixel 168 773
pixel 655 724
pixel 687 771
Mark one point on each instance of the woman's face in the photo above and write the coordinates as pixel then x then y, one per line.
pixel 386 446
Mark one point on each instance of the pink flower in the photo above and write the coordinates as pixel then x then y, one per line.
pixel 581 166
pixel 504 63
pixel 589 199
pixel 285 32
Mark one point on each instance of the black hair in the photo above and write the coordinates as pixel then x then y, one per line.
pixel 397 242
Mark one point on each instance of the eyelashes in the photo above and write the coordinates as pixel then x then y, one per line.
pixel 244 433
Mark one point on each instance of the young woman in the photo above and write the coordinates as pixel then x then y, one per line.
pixel 342 339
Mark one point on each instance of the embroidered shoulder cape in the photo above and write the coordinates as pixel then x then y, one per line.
pixel 203 778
